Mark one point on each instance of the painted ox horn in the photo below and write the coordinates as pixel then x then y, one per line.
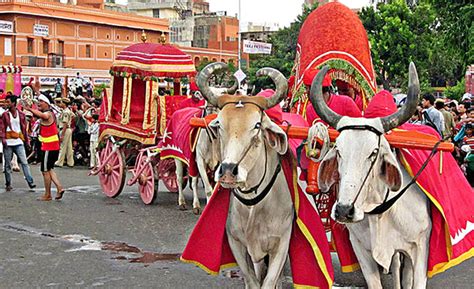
pixel 406 111
pixel 317 100
pixel 388 122
pixel 281 85
pixel 202 81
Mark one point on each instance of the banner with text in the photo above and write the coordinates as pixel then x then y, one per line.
pixel 254 47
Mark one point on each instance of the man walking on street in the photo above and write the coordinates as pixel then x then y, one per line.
pixel 14 138
pixel 48 136
pixel 64 124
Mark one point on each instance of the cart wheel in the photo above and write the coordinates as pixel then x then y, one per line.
pixel 112 176
pixel 167 174
pixel 147 182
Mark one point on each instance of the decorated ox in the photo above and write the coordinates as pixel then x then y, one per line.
pixel 250 144
pixel 367 172
pixel 205 155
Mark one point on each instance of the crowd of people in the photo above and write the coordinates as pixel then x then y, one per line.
pixel 71 121
pixel 454 121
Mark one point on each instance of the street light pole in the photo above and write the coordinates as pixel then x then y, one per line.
pixel 240 40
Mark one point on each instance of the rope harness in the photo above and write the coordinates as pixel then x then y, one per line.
pixel 387 204
pixel 259 196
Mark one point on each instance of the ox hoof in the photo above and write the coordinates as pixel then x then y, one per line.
pixel 182 207
pixel 197 211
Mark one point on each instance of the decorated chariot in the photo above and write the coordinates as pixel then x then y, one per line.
pixel 134 116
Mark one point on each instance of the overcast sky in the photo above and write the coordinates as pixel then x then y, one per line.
pixel 269 11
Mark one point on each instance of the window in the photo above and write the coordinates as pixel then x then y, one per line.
pixel 60 47
pixel 156 13
pixel 45 46
pixel 88 51
pixel 30 45
pixel 8 46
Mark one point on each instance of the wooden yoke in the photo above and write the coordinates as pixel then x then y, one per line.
pixel 397 138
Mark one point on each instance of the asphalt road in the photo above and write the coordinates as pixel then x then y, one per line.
pixel 88 240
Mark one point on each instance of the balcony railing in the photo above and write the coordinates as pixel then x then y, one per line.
pixel 34 61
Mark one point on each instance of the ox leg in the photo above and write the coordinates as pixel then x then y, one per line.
pixel 179 179
pixel 260 270
pixel 420 265
pixel 276 263
pixel 369 267
pixel 244 262
pixel 196 204
pixel 203 174
pixel 395 268
pixel 407 273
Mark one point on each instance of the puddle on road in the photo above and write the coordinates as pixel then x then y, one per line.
pixel 133 254
pixel 123 251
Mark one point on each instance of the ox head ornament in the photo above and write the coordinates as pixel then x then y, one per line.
pixel 249 141
pixel 361 160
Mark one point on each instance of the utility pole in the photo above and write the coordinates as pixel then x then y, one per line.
pixel 240 40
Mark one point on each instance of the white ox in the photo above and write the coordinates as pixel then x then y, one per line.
pixel 361 151
pixel 250 145
pixel 206 157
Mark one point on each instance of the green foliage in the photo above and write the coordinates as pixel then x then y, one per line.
pixel 99 89
pixel 437 35
pixel 283 54
pixel 457 91
pixel 399 35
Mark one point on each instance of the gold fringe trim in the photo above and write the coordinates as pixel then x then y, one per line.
pixel 110 96
pixel 209 271
pixel 127 93
pixel 162 114
pixel 126 135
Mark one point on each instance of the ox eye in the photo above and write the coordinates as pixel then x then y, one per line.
pixel 258 125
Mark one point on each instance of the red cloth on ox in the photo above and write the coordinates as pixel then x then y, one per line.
pixel 293 119
pixel 310 259
pixel 179 138
pixel 340 104
pixel 274 113
pixel 277 115
pixel 191 102
pixel 451 196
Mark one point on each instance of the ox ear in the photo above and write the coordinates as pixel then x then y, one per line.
pixel 275 137
pixel 390 172
pixel 213 128
pixel 328 172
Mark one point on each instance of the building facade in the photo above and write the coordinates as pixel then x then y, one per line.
pixel 55 39
pixel 216 31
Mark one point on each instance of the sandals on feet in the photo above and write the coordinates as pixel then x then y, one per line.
pixel 44 198
pixel 60 194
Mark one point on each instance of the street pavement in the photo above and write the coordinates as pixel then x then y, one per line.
pixel 88 240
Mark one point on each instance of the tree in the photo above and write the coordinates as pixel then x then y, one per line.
pixel 283 55
pixel 399 35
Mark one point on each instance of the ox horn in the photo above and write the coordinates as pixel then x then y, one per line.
pixel 202 81
pixel 281 85
pixel 406 111
pixel 317 100
pixel 234 87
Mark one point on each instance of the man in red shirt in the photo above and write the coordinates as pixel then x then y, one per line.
pixel 340 104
